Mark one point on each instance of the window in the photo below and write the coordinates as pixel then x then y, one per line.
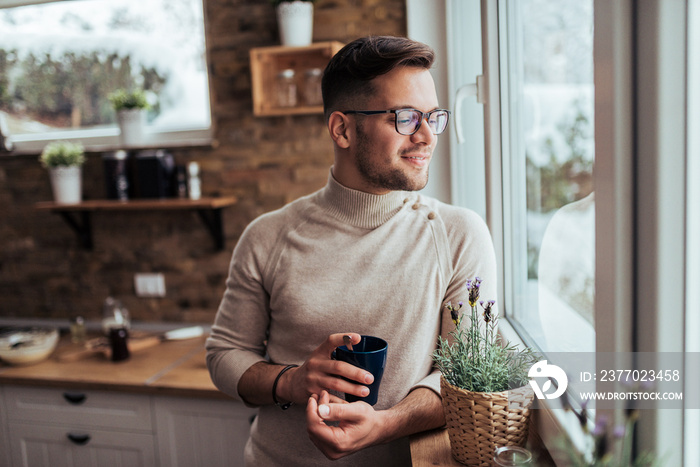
pixel 548 154
pixel 60 61
pixel 643 245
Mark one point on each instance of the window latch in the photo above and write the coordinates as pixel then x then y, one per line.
pixel 464 91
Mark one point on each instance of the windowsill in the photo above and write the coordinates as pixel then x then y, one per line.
pixel 108 139
pixel 553 424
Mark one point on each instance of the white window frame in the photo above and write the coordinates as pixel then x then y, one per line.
pixel 660 201
pixel 107 138
pixel 692 421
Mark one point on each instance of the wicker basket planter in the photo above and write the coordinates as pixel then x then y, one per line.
pixel 480 422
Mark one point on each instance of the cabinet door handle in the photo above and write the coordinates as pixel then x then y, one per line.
pixel 80 440
pixel 74 397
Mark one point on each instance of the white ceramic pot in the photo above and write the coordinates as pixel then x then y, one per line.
pixel 66 183
pixel 295 21
pixel 131 124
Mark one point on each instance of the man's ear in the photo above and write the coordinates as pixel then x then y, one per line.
pixel 340 129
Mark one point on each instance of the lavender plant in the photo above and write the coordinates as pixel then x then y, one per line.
pixel 477 359
pixel 600 452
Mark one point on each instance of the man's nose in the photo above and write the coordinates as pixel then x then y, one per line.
pixel 424 133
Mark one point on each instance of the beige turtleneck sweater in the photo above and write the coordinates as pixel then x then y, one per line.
pixel 341 260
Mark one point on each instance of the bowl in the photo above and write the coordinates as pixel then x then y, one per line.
pixel 26 346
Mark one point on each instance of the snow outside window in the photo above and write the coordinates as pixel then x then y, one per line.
pixel 59 61
pixel 548 154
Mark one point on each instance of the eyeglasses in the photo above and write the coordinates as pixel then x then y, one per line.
pixel 408 121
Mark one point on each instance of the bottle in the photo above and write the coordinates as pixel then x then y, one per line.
pixel 118 338
pixel 181 181
pixel 194 185
pixel 114 315
pixel 77 330
pixel 286 89
pixel 116 175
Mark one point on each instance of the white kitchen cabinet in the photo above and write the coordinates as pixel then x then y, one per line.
pixel 42 426
pixel 55 427
pixel 201 432
pixel 71 446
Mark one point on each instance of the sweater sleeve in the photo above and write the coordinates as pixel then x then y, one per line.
pixel 471 255
pixel 237 339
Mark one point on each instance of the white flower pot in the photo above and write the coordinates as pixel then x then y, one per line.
pixel 131 125
pixel 66 183
pixel 295 21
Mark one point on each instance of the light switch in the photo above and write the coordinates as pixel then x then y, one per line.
pixel 149 284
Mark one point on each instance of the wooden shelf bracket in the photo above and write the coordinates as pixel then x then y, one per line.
pixel 212 220
pixel 82 228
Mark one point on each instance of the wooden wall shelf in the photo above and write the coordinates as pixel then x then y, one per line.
pixel 267 62
pixel 78 216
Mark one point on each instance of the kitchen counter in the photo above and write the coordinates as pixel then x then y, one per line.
pixel 431 448
pixel 176 368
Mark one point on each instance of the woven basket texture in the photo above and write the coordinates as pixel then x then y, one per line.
pixel 480 422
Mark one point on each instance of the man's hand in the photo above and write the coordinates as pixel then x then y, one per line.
pixel 358 427
pixel 320 373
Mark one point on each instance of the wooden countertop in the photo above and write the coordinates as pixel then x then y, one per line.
pixel 175 368
pixel 431 448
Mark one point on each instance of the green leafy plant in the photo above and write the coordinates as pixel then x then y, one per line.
pixel 62 154
pixel 127 100
pixel 481 361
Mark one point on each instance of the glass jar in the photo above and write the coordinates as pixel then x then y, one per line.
pixel 286 89
pixel 512 456
pixel 312 87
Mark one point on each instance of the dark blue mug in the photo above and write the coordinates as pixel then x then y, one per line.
pixel 369 354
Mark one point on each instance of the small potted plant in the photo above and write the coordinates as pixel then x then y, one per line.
pixel 484 384
pixel 64 160
pixel 131 109
pixel 295 19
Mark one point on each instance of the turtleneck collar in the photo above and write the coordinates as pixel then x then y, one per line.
pixel 364 210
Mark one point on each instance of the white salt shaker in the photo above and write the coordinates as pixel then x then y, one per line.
pixel 194 185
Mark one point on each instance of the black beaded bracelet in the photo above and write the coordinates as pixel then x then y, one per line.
pixel 274 388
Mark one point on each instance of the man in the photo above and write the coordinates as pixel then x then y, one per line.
pixel 364 255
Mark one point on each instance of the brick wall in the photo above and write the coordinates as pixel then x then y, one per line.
pixel 266 162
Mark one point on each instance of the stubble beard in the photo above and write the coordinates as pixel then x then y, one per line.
pixel 389 178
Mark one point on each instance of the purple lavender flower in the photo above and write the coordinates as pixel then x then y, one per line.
pixel 473 287
pixel 619 431
pixel 487 310
pixel 600 426
pixel 454 312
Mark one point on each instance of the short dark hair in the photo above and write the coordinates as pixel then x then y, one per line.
pixel 350 72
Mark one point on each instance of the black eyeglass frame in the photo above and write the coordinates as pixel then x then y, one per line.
pixel 396 118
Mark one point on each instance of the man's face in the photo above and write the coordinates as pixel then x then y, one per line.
pixel 385 159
